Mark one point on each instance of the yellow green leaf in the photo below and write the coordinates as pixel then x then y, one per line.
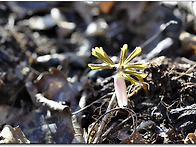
pixel 123 53
pixel 100 66
pixel 135 65
pixel 101 54
pixel 144 85
pixel 98 55
pixel 134 73
pixel 132 80
pixel 135 53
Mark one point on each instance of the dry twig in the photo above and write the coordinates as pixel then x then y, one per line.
pixel 103 123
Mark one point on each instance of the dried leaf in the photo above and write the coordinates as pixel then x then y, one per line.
pixel 55 59
pixel 54 86
pixel 122 135
pixel 134 138
pixel 92 132
pixel 188 42
pixel 12 135
pixel 106 6
pixel 190 138
pixel 47 126
pixel 184 117
pixel 41 22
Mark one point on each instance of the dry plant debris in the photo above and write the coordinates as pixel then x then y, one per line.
pixel 50 95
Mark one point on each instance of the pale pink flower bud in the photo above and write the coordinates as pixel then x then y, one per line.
pixel 120 89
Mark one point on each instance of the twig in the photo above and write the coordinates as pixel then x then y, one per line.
pixel 50 104
pixel 119 125
pixel 96 122
pixel 103 123
pixel 188 61
pixel 185 73
pixel 78 111
pixel 162 28
pixel 115 109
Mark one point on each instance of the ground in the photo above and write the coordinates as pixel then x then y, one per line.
pixel 50 95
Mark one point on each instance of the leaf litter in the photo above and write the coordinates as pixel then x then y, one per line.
pixel 50 95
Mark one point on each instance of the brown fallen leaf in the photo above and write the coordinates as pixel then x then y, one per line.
pixel 188 42
pixel 54 86
pixel 92 132
pixel 190 138
pixel 48 125
pixel 106 6
pixel 12 135
pixel 134 138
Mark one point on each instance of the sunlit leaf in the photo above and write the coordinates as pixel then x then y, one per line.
pixel 139 74
pixel 129 78
pixel 123 53
pixel 101 54
pixel 135 53
pixel 100 66
pixel 135 65
pixel 144 85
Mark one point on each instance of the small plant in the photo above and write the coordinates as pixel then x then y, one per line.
pixel 124 69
